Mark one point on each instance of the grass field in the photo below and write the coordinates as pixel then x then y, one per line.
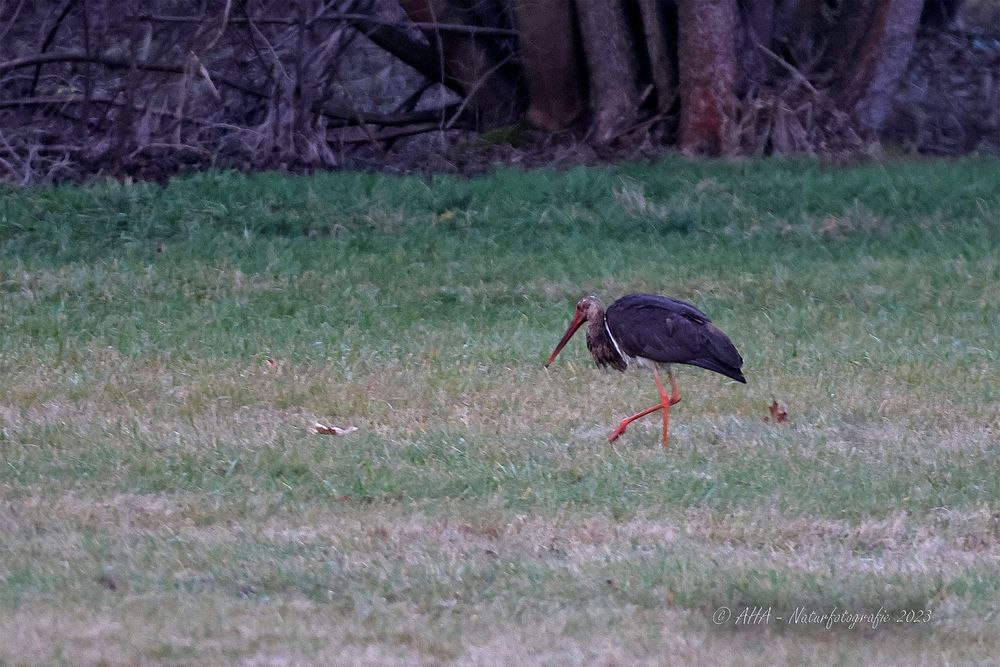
pixel 163 352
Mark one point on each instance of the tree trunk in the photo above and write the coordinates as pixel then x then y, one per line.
pixel 756 28
pixel 841 34
pixel 707 59
pixel 939 13
pixel 760 18
pixel 614 97
pixel 493 97
pixel 799 31
pixel 551 70
pixel 658 46
pixel 880 63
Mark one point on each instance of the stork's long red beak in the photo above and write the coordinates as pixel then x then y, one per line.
pixel 577 322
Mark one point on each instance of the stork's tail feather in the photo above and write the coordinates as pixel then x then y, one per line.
pixel 719 367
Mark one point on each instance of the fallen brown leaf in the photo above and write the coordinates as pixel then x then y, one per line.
pixel 778 413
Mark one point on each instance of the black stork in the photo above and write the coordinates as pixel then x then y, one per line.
pixel 655 332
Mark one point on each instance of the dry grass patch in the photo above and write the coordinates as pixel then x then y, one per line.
pixel 403 584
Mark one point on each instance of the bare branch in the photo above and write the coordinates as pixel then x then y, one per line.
pixel 355 135
pixel 788 66
pixel 12 21
pixel 472 91
pixel 340 18
pixel 413 52
pixel 246 84
pixel 50 36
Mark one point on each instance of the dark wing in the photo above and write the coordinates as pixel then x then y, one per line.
pixel 672 331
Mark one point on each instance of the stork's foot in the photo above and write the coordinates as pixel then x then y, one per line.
pixel 619 431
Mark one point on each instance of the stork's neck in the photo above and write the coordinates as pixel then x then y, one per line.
pixel 602 348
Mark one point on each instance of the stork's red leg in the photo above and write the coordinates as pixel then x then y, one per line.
pixel 665 403
pixel 628 420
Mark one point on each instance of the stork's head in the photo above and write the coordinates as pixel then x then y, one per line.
pixel 591 307
pixel 588 309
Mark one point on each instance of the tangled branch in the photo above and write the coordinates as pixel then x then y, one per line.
pixel 150 93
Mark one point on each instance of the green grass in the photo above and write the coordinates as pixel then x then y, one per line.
pixel 478 515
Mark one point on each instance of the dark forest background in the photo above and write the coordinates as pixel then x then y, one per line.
pixel 150 89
